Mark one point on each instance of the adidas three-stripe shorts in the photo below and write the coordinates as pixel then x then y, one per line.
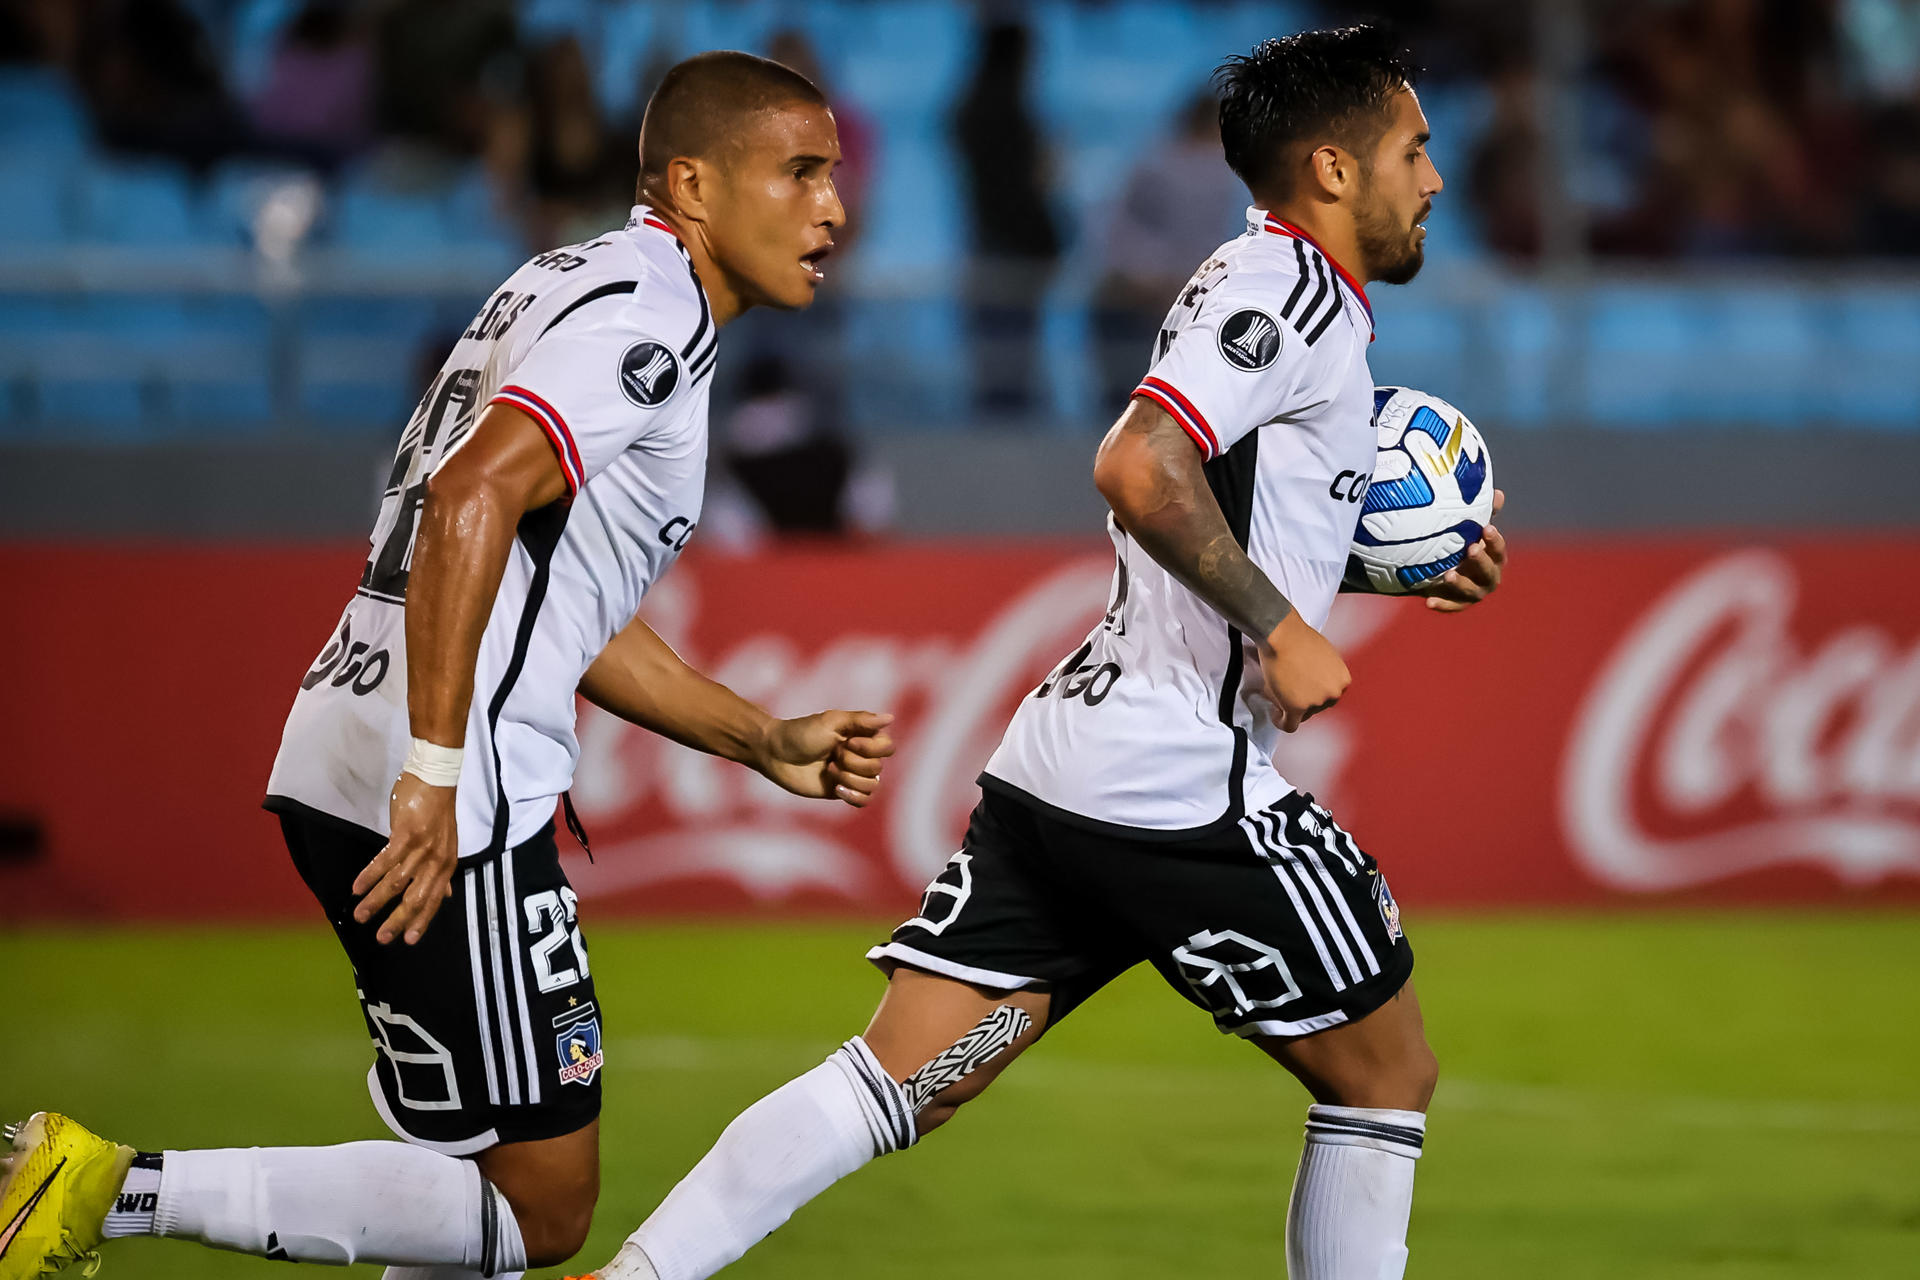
pixel 487 1030
pixel 1279 925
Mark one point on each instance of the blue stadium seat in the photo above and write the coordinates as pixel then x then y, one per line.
pixel 94 380
pixel 1524 333
pixel 35 201
pixel 220 374
pixel 1423 343
pixel 137 204
pixel 40 112
pixel 908 56
pixel 471 216
pixel 1641 359
pixel 369 217
pixel 360 358
pixel 111 368
pixel 622 51
pixel 734 24
pixel 914 216
pixel 1756 363
pixel 888 380
pixel 1870 359
pixel 134 364
pixel 542 20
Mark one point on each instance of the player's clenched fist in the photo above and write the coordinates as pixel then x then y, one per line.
pixel 416 868
pixel 831 755
pixel 1304 673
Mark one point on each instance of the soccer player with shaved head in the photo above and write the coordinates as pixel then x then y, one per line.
pixel 552 472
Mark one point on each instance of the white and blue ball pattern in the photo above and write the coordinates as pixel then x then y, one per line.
pixel 1431 493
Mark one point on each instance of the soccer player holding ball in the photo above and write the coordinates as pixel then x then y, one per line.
pixel 1132 811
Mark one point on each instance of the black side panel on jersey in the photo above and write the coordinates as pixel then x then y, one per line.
pixel 539 533
pixel 1231 477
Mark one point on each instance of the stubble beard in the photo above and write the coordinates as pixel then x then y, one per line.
pixel 1393 253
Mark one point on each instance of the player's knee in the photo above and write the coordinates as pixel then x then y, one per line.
pixel 1402 1082
pixel 1421 1076
pixel 944 1105
pixel 554 1221
pixel 553 1232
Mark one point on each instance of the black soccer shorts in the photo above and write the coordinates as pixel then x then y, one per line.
pixel 1278 926
pixel 485 1031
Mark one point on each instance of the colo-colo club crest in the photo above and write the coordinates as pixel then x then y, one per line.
pixel 578 1041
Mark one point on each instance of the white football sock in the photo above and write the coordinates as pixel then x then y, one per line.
pixel 442 1273
pixel 382 1202
pixel 132 1212
pixel 777 1154
pixel 1353 1194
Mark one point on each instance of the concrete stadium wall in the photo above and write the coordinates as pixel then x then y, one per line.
pixel 982 482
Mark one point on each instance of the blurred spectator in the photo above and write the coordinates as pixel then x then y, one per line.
pixel 46 32
pixel 1890 220
pixel 1504 167
pixel 153 83
pixel 442 69
pixel 580 171
pixel 1180 203
pixel 1015 241
pixel 316 103
pixel 793 466
pixel 1708 128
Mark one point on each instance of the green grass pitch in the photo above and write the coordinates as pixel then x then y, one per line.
pixel 1733 1097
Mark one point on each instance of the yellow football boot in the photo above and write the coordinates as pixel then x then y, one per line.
pixel 56 1186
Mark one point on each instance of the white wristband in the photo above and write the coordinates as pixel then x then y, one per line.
pixel 433 764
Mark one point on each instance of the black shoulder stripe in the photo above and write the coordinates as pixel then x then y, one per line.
pixel 1300 287
pixel 706 316
pixel 1319 294
pixel 592 295
pixel 1339 305
pixel 700 357
pixel 704 365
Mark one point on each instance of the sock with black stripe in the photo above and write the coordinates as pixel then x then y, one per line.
pixel 776 1155
pixel 1353 1194
pixel 383 1202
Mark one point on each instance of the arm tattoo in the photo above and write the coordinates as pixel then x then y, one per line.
pixel 1182 527
pixel 1227 575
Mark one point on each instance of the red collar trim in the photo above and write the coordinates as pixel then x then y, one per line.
pixel 658 225
pixel 1281 227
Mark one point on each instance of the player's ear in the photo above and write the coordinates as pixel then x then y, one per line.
pixel 691 186
pixel 1331 168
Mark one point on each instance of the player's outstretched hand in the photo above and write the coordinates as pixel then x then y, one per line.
pixel 415 870
pixel 1479 573
pixel 1304 673
pixel 831 755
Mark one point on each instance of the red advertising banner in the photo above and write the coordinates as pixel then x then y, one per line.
pixel 1630 721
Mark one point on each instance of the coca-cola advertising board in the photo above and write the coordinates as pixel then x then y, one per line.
pixel 1629 721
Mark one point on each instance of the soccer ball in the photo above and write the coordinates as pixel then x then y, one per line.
pixel 1431 492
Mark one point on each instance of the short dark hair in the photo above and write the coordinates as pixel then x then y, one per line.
pixel 702 101
pixel 1311 87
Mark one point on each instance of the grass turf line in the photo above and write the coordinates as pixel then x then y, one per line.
pixel 1722 1097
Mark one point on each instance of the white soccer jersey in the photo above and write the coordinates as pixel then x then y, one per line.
pixel 1159 721
pixel 607 346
